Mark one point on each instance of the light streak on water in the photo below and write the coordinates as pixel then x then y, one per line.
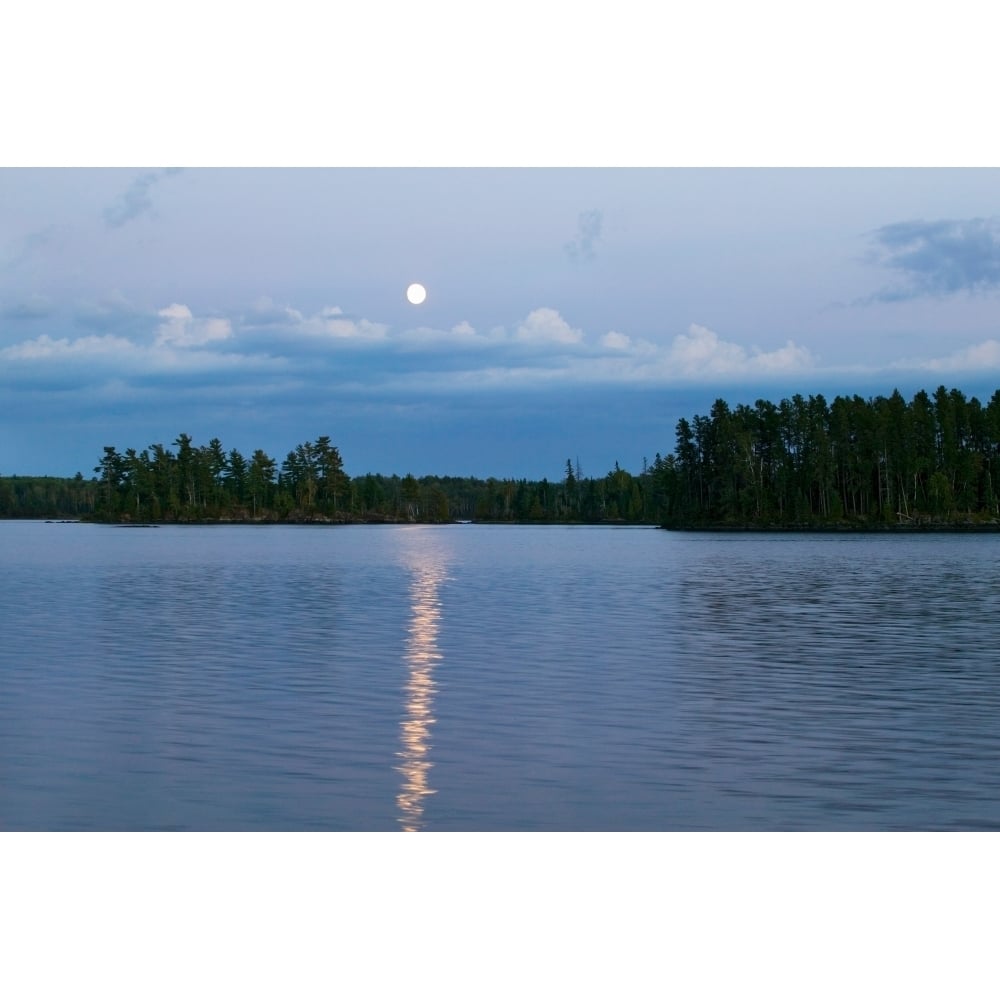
pixel 420 659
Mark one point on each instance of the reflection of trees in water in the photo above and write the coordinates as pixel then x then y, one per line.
pixel 421 656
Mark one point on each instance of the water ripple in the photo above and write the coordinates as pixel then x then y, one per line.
pixel 472 677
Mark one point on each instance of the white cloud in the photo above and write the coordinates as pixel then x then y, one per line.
pixel 181 329
pixel 789 358
pixel 616 341
pixel 973 358
pixel 330 322
pixel 342 328
pixel 546 326
pixel 702 352
pixel 45 347
pixel 613 356
pixel 543 349
pixel 625 347
pixel 96 358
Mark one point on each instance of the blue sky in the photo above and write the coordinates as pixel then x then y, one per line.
pixel 571 312
pixel 616 224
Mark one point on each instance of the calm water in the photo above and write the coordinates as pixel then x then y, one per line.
pixel 496 678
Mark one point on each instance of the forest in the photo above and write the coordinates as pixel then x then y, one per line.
pixel 801 463
pixel 854 462
pixel 204 483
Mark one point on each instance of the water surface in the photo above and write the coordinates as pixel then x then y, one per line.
pixel 468 677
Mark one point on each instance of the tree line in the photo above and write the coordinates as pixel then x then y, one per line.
pixel 802 462
pixel 186 482
pixel 852 462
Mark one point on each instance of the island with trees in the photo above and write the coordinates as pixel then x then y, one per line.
pixel 879 463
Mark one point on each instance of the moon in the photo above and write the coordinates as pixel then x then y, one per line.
pixel 416 294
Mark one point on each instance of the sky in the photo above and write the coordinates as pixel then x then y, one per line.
pixel 571 313
pixel 211 231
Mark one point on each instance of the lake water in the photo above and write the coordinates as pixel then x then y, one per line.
pixel 472 677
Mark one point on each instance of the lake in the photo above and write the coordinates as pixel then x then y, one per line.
pixel 508 678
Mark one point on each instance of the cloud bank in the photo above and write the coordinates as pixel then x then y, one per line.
pixel 979 357
pixel 268 370
pixel 331 349
pixel 266 319
pixel 269 347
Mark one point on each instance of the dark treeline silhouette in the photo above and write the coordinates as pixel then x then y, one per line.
pixel 189 483
pixel 802 462
pixel 854 462
pixel 47 496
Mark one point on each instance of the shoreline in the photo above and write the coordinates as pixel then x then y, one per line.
pixel 841 529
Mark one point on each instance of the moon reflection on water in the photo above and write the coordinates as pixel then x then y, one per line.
pixel 420 658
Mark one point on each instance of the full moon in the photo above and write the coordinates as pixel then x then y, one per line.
pixel 416 294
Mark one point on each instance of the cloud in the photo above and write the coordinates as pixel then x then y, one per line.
pixel 328 348
pixel 543 347
pixel 560 355
pixel 46 347
pixel 135 200
pixel 180 328
pixel 975 358
pixel 90 360
pixel 330 323
pixel 702 352
pixel 461 336
pixel 616 341
pixel 938 258
pixel 588 233
pixel 288 328
pixel 464 330
pixel 546 326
